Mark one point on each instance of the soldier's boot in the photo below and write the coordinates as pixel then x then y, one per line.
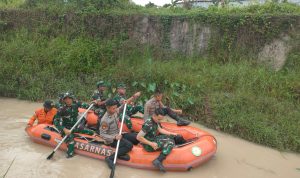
pixel 70 152
pixel 158 162
pixel 180 121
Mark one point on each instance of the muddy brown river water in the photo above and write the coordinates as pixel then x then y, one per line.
pixel 235 158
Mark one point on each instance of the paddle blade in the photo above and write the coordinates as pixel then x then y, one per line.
pixel 51 155
pixel 112 173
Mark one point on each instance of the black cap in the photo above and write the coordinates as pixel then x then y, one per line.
pixel 48 104
pixel 111 102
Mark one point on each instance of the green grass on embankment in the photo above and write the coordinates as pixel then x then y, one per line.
pixel 241 98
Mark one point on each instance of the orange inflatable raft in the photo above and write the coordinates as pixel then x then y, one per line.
pixel 201 146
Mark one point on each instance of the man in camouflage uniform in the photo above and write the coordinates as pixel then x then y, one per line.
pixel 153 137
pixel 109 131
pixel 99 99
pixel 131 108
pixel 156 102
pixel 66 118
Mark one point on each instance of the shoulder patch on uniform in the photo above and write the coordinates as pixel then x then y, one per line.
pixel 104 126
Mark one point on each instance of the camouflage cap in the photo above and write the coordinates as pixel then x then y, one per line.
pixel 68 95
pixel 121 85
pixel 101 84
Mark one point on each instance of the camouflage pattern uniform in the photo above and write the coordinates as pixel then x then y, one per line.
pixel 66 117
pixel 164 142
pixel 99 96
pixel 130 110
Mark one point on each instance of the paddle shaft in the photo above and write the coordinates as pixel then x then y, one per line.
pixel 78 121
pixel 112 173
pixel 120 132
